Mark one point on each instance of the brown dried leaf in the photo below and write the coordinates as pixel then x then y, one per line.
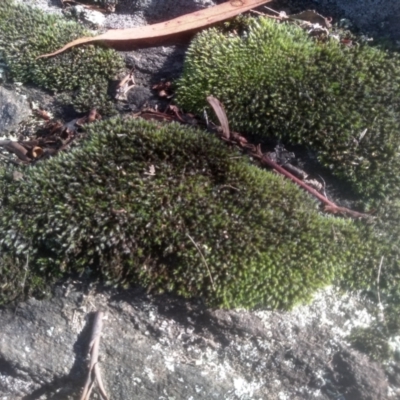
pixel 221 115
pixel 169 31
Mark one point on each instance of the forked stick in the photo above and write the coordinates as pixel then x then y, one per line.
pixel 94 370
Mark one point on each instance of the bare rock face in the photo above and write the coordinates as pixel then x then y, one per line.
pixel 376 18
pixel 156 10
pixel 14 108
pixel 367 13
pixel 167 348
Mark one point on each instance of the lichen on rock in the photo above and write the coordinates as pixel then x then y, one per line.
pixel 274 80
pixel 82 73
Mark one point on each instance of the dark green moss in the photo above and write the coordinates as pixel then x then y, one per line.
pixel 276 81
pixel 378 274
pixel 99 208
pixel 16 275
pixel 372 341
pixel 84 73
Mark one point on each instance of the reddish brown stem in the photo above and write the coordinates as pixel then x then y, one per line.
pixel 255 151
pixel 266 160
pixel 329 205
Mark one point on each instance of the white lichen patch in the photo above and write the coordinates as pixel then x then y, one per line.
pixel 14 385
pixel 394 343
pixel 245 389
pixel 337 311
pixel 150 374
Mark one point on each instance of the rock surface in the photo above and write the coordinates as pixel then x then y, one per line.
pixel 377 18
pixel 14 108
pixel 376 14
pixel 164 347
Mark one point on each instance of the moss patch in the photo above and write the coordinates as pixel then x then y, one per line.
pixel 371 341
pixel 84 72
pixel 99 208
pixel 276 81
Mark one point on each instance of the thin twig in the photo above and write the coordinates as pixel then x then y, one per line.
pixel 377 280
pixel 270 9
pixel 205 116
pixel 94 371
pixel 26 268
pixel 257 12
pixel 322 179
pixel 16 148
pixel 381 314
pixel 230 187
pixel 329 206
pixel 204 260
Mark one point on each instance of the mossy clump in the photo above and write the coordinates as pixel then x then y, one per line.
pixel 372 341
pixel 83 72
pixel 175 210
pixel 274 80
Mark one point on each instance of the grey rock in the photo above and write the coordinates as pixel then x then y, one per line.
pixel 161 10
pixel 14 108
pixel 369 12
pixel 49 6
pixel 164 347
pixel 376 18
pixel 154 64
pixel 139 97
pixel 92 17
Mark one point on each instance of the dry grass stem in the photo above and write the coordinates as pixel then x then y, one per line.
pixel 204 260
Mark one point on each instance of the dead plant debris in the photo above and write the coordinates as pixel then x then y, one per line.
pixel 53 137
